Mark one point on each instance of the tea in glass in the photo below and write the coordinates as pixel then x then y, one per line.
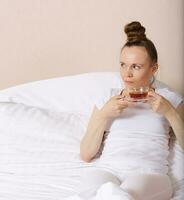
pixel 138 93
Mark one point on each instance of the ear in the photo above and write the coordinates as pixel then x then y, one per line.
pixel 154 67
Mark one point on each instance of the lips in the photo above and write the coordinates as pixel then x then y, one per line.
pixel 128 82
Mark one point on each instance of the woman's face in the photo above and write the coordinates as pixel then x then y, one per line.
pixel 136 67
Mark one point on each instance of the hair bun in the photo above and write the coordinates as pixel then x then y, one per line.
pixel 135 31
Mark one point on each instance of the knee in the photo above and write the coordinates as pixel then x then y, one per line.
pixel 98 177
pixel 144 187
pixel 92 180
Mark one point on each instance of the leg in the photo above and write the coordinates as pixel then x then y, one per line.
pixel 148 186
pixel 92 179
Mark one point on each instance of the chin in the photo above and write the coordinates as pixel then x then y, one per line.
pixel 129 84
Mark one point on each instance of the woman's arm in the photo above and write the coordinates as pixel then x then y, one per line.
pixel 176 120
pixel 99 120
pixel 175 116
pixel 92 140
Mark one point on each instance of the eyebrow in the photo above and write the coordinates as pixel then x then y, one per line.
pixel 132 63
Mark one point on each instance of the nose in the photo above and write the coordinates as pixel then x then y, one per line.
pixel 129 72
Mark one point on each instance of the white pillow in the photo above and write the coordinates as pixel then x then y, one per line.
pixel 70 93
pixel 75 93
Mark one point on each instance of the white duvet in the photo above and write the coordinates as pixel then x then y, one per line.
pixel 39 155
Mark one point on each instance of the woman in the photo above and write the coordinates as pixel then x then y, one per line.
pixel 134 155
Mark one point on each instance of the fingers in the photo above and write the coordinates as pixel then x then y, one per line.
pixel 152 89
pixel 151 99
pixel 118 97
pixel 122 104
pixel 153 94
pixel 132 104
pixel 125 103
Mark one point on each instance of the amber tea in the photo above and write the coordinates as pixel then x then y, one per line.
pixel 141 95
pixel 138 93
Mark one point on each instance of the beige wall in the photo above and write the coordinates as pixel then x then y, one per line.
pixel 40 39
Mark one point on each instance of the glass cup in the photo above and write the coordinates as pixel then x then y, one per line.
pixel 137 94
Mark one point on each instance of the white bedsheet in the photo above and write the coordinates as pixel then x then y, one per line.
pixel 39 154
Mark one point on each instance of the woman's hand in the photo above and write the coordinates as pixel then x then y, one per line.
pixel 114 107
pixel 159 104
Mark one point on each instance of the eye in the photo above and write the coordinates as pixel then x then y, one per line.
pixel 122 64
pixel 135 66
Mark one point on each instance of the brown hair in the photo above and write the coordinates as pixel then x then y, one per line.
pixel 136 37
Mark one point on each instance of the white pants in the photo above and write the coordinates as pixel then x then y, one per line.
pixel 136 186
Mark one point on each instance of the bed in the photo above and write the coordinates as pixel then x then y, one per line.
pixel 41 125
